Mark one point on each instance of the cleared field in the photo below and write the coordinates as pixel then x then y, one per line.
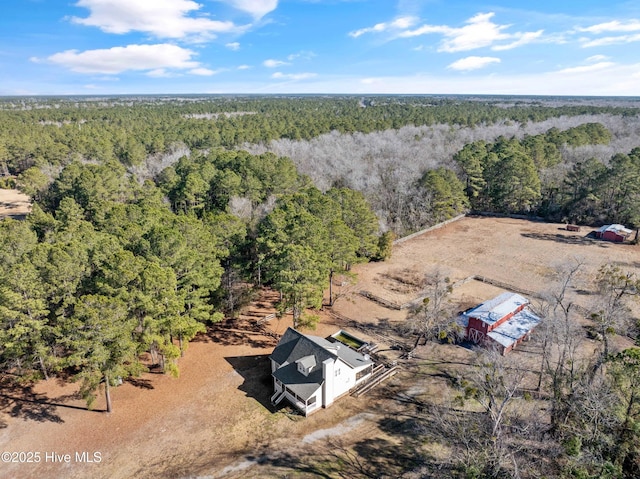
pixel 216 421
pixel 517 252
pixel 14 204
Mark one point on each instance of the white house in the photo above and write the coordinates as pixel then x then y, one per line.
pixel 312 372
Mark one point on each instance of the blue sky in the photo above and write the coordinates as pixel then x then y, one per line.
pixel 559 47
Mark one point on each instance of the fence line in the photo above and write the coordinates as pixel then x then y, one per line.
pixel 510 287
pixel 377 299
pixel 483 279
pixel 430 228
pixel 508 215
pixel 269 317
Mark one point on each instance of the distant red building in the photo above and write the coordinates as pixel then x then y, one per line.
pixel 615 233
pixel 504 321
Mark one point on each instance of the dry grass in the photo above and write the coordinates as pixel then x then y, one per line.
pixel 215 420
pixel 14 204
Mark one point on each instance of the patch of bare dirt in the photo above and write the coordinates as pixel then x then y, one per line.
pixel 14 204
pixel 516 252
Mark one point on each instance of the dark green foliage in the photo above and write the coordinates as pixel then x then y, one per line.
pixel 128 131
pixel 512 176
pixel 108 267
pixel 385 245
pixel 110 273
pixel 207 183
pixel 444 193
pixel 105 268
pixel 500 177
pixel 308 237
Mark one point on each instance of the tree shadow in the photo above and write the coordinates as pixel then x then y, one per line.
pixel 258 382
pixel 20 401
pixel 140 383
pixel 234 333
pixel 566 239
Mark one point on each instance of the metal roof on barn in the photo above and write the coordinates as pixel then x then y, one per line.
pixel 497 308
pixel 616 228
pixel 515 328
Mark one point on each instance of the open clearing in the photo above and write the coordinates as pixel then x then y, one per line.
pixel 14 204
pixel 215 419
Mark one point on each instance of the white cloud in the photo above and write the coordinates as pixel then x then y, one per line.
pixel 401 23
pixel 604 41
pixel 271 63
pixel 160 73
pixel 132 57
pixel 473 63
pixel 613 26
pixel 203 72
pixel 233 46
pixel 303 55
pixel 293 76
pixel 478 32
pixel 597 58
pixel 161 18
pixel 523 39
pixel 256 8
pixel 588 68
pixel 244 67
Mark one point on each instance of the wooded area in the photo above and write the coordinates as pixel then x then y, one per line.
pixel 155 217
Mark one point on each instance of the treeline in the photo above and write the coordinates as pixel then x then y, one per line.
pixel 388 166
pixel 527 176
pixel 106 270
pixel 163 254
pixel 58 131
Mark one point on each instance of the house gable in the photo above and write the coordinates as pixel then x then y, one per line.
pixel 311 371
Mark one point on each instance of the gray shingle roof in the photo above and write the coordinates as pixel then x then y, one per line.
pixel 294 346
pixel 303 386
pixel 348 355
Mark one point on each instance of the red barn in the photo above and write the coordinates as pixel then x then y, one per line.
pixel 505 321
pixel 615 233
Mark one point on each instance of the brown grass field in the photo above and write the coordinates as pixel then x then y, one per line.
pixel 215 420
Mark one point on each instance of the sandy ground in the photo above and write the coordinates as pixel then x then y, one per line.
pixel 14 204
pixel 521 253
pixel 215 420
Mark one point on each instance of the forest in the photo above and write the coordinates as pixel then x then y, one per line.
pixel 154 217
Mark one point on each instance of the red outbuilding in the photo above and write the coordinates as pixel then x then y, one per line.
pixel 615 233
pixel 504 321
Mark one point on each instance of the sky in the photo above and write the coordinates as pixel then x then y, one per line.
pixel 103 47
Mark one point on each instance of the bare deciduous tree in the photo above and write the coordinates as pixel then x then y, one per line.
pixel 434 318
pixel 610 310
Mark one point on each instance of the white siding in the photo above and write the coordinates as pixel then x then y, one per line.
pixel 344 378
pixel 317 404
